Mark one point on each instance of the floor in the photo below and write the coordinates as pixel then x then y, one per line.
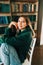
pixel 38 56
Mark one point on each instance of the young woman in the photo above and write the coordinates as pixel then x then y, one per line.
pixel 15 48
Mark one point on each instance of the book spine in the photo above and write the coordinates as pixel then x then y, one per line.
pixel 29 7
pixel 25 7
pixel 21 7
pixel 35 26
pixel 12 7
pixel 6 7
pixel 37 7
pixel 16 8
pixel 32 7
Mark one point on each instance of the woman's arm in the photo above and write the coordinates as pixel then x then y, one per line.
pixel 13 23
pixel 11 29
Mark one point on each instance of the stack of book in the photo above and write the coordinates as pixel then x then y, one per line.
pixel 6 8
pixel 32 18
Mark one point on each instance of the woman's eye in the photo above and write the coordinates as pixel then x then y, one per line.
pixel 23 21
pixel 18 21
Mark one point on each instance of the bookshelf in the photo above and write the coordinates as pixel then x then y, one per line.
pixel 5 25
pixel 4 2
pixel 5 13
pixel 16 8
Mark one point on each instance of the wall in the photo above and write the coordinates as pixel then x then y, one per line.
pixel 41 39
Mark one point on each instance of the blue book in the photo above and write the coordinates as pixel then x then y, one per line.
pixel 25 7
pixel 32 18
pixel 3 20
pixel 6 8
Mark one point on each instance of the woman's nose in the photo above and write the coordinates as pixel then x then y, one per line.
pixel 20 22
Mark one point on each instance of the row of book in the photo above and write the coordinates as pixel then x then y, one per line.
pixel 4 20
pixel 5 8
pixel 7 19
pixel 25 7
pixel 31 17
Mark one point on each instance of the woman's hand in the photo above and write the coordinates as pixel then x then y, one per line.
pixel 13 23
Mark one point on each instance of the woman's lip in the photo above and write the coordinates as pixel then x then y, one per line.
pixel 20 26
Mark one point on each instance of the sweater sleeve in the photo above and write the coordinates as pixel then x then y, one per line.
pixel 8 31
pixel 20 40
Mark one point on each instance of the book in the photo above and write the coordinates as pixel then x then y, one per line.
pixel 25 7
pixel 32 18
pixel 6 8
pixel 34 7
pixel 0 8
pixel 16 7
pixel 29 7
pixel 15 18
pixel 5 19
pixel 12 7
pixel 33 25
pixel 37 7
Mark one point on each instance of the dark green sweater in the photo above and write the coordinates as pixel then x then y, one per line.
pixel 21 42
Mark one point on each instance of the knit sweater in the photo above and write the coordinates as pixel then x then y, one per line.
pixel 21 42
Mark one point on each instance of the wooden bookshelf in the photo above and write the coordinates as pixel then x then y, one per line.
pixel 31 5
pixel 4 25
pixel 30 1
pixel 5 14
pixel 29 13
pixel 4 2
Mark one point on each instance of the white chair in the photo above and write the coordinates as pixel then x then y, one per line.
pixel 30 53
pixel 0 59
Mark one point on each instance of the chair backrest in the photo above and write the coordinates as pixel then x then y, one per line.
pixel 30 53
pixel 0 59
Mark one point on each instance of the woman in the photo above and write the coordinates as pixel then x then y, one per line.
pixel 14 48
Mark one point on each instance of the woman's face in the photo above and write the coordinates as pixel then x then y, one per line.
pixel 21 23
